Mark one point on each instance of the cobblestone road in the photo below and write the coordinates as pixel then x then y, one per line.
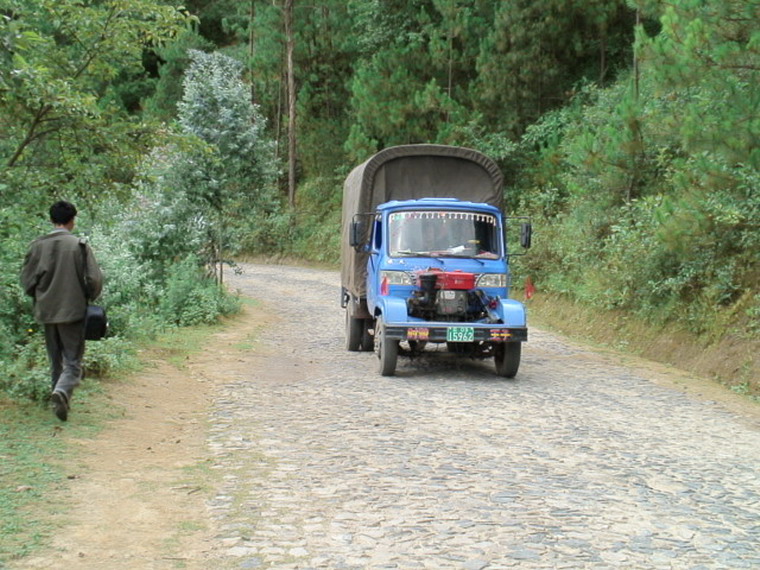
pixel 579 462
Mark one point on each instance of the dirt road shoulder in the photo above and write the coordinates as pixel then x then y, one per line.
pixel 138 492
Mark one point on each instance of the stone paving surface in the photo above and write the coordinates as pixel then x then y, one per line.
pixel 578 462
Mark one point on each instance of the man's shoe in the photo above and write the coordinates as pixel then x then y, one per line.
pixel 60 405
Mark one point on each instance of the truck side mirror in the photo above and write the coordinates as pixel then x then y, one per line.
pixel 358 231
pixel 526 233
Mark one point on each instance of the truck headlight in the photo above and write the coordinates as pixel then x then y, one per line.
pixel 395 278
pixel 491 280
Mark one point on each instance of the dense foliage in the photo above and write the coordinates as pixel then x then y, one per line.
pixel 628 129
pixel 649 187
pixel 154 200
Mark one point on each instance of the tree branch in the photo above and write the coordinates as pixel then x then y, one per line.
pixel 31 134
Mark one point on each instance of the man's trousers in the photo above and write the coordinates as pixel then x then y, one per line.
pixel 65 348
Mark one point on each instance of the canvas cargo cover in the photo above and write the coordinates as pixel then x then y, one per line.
pixel 411 172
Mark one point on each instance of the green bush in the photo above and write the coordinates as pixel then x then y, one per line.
pixel 192 297
pixel 316 236
pixel 109 355
pixel 26 375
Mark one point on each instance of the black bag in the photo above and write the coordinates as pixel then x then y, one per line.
pixel 95 323
pixel 95 319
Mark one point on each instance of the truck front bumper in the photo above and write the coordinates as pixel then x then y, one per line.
pixel 440 333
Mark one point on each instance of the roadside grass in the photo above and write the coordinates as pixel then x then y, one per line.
pixel 37 451
pixel 176 346
pixel 249 343
pixel 36 460
pixel 730 362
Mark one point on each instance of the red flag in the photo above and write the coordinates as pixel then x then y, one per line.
pixel 530 289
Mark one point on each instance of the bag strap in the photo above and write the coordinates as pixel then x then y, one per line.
pixel 85 281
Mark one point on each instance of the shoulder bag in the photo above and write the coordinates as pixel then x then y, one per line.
pixel 95 319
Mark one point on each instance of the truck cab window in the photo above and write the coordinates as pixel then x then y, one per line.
pixel 377 234
pixel 443 234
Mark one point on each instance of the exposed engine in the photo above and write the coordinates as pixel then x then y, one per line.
pixel 449 296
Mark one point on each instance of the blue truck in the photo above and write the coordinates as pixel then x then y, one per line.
pixel 424 258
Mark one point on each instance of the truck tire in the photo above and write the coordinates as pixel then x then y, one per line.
pixel 354 330
pixel 507 358
pixel 386 350
pixel 368 339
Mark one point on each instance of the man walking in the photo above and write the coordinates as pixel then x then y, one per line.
pixel 53 274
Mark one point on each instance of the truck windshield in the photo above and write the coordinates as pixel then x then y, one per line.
pixel 443 234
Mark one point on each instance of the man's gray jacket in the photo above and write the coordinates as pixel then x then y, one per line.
pixel 53 274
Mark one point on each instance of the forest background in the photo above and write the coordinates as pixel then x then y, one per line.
pixel 190 135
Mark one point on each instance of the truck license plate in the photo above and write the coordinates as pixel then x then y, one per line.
pixel 460 334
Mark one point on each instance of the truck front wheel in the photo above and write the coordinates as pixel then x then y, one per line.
pixel 386 350
pixel 506 355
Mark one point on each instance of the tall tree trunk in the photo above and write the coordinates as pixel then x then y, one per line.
pixel 278 119
pixel 450 82
pixel 602 56
pixel 636 58
pixel 252 48
pixel 220 245
pixel 636 127
pixel 289 45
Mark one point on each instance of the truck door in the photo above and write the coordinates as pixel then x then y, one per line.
pixel 373 263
